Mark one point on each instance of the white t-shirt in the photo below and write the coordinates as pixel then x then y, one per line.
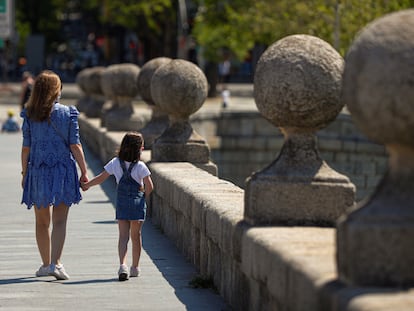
pixel 139 171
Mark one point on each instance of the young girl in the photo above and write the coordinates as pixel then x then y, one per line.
pixel 134 184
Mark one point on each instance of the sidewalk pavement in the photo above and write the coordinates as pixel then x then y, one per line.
pixel 90 253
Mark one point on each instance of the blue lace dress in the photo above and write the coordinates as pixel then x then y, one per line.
pixel 52 176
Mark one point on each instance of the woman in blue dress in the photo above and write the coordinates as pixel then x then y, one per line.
pixel 51 148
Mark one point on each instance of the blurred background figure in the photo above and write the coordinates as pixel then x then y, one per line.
pixel 225 97
pixel 11 124
pixel 224 71
pixel 27 84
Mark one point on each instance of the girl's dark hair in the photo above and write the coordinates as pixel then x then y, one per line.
pixel 131 146
pixel 46 90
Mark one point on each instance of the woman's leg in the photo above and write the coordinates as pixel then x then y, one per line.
pixel 136 238
pixel 59 220
pixel 42 233
pixel 123 227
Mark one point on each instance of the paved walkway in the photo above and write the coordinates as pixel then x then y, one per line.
pixel 90 253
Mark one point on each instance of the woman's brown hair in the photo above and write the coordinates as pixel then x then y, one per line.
pixel 131 146
pixel 46 90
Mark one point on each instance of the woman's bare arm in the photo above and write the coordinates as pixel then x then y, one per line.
pixel 25 161
pixel 77 152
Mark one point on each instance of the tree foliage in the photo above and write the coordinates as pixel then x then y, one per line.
pixel 237 25
pixel 152 20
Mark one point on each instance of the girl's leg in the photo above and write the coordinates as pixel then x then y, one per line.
pixel 136 238
pixel 42 233
pixel 123 227
pixel 59 219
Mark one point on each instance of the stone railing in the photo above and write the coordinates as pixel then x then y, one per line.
pixel 274 245
pixel 243 142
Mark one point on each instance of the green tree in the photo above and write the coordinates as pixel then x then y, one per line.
pixel 154 21
pixel 38 17
pixel 238 25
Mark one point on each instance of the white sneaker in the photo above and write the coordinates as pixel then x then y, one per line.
pixel 134 271
pixel 43 271
pixel 58 271
pixel 123 273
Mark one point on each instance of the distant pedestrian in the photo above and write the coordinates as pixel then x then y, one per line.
pixel 10 125
pixel 224 71
pixel 27 85
pixel 134 185
pixel 225 97
pixel 51 145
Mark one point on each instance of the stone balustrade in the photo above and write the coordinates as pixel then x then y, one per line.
pixel 225 231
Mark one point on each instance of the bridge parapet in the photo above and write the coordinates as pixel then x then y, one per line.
pixel 256 267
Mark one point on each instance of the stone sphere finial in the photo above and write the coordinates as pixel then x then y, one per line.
pixel 145 76
pixel 159 118
pixel 379 80
pixel 119 85
pixel 375 241
pixel 298 82
pixel 297 86
pixel 93 101
pixel 81 78
pixel 120 81
pixel 180 89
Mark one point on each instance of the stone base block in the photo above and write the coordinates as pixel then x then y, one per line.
pixel 375 247
pixel 153 129
pixel 175 152
pixel 94 108
pixel 122 122
pixel 269 201
pixel 209 167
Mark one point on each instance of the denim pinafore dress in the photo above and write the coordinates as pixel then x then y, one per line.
pixel 130 201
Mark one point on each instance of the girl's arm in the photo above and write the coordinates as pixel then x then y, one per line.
pixel 79 156
pixel 96 180
pixel 148 185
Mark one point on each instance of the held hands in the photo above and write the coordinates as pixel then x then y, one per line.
pixel 83 181
pixel 84 186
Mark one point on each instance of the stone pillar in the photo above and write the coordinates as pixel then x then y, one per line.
pixel 375 241
pixel 159 119
pixel 89 81
pixel 81 78
pixel 119 85
pixel 180 88
pixel 297 87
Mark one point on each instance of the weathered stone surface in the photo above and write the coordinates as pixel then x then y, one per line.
pixel 119 85
pixel 298 81
pixel 159 119
pixel 297 88
pixel 81 83
pixel 145 77
pixel 375 241
pixel 180 89
pixel 93 92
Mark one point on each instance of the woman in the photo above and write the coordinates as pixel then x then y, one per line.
pixel 50 181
